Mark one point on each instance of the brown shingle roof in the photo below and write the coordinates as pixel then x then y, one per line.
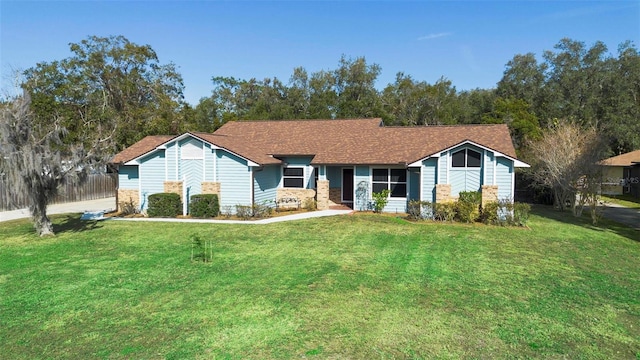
pixel 354 141
pixel 140 148
pixel 626 159
pixel 361 141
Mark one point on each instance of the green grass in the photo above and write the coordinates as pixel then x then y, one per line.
pixel 362 286
pixel 624 200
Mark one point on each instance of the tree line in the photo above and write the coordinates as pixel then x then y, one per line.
pixel 112 82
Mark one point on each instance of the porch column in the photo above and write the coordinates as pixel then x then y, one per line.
pixel 322 194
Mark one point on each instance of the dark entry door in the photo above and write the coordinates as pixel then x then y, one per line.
pixel 347 185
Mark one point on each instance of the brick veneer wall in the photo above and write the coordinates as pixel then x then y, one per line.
pixel 489 193
pixel 209 187
pixel 300 194
pixel 125 196
pixel 443 193
pixel 174 187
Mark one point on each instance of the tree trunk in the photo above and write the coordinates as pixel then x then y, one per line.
pixel 41 221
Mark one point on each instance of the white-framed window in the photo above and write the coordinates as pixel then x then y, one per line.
pixel 293 177
pixel 394 180
pixel 466 158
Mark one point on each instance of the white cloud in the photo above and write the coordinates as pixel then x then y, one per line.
pixel 434 36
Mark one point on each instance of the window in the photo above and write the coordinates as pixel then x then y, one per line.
pixel 293 177
pixel 394 180
pixel 466 158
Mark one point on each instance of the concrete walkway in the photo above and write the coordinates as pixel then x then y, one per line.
pixel 106 205
pixel 109 204
pixel 299 216
pixel 623 215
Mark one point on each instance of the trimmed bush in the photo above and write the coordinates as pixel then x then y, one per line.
pixel 164 205
pixel 204 206
pixel 468 206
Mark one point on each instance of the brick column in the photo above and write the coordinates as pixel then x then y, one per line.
pixel 322 194
pixel 443 193
pixel 489 194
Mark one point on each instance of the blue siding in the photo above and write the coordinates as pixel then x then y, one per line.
pixel 429 177
pixel 172 154
pixel 443 164
pixel 487 166
pixel 192 171
pixel 151 176
pixel 208 163
pixel 504 174
pixel 362 180
pixel 128 177
pixel 235 179
pixel 265 184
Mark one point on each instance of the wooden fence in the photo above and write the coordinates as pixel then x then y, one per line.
pixel 97 186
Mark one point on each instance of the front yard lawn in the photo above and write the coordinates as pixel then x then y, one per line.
pixel 361 286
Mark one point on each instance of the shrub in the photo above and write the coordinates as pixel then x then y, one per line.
pixel 380 200
pixel 489 213
pixel 444 211
pixel 521 213
pixel 420 210
pixel 310 204
pixel 257 211
pixel 261 210
pixel 468 206
pixel 128 208
pixel 204 206
pixel 227 211
pixel 505 212
pixel 164 205
pixel 244 212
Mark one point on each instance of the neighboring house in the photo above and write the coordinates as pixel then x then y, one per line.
pixel 620 173
pixel 335 162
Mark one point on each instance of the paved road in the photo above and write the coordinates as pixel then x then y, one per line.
pixel 621 214
pixel 107 204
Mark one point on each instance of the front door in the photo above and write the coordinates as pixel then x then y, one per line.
pixel 347 185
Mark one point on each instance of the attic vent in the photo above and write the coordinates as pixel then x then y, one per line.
pixel 191 149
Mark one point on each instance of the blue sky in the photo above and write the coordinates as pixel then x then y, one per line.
pixel 467 42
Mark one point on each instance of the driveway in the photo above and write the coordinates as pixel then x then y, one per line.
pixel 107 204
pixel 623 215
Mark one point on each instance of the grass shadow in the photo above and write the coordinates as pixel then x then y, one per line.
pixel 72 223
pixel 604 224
